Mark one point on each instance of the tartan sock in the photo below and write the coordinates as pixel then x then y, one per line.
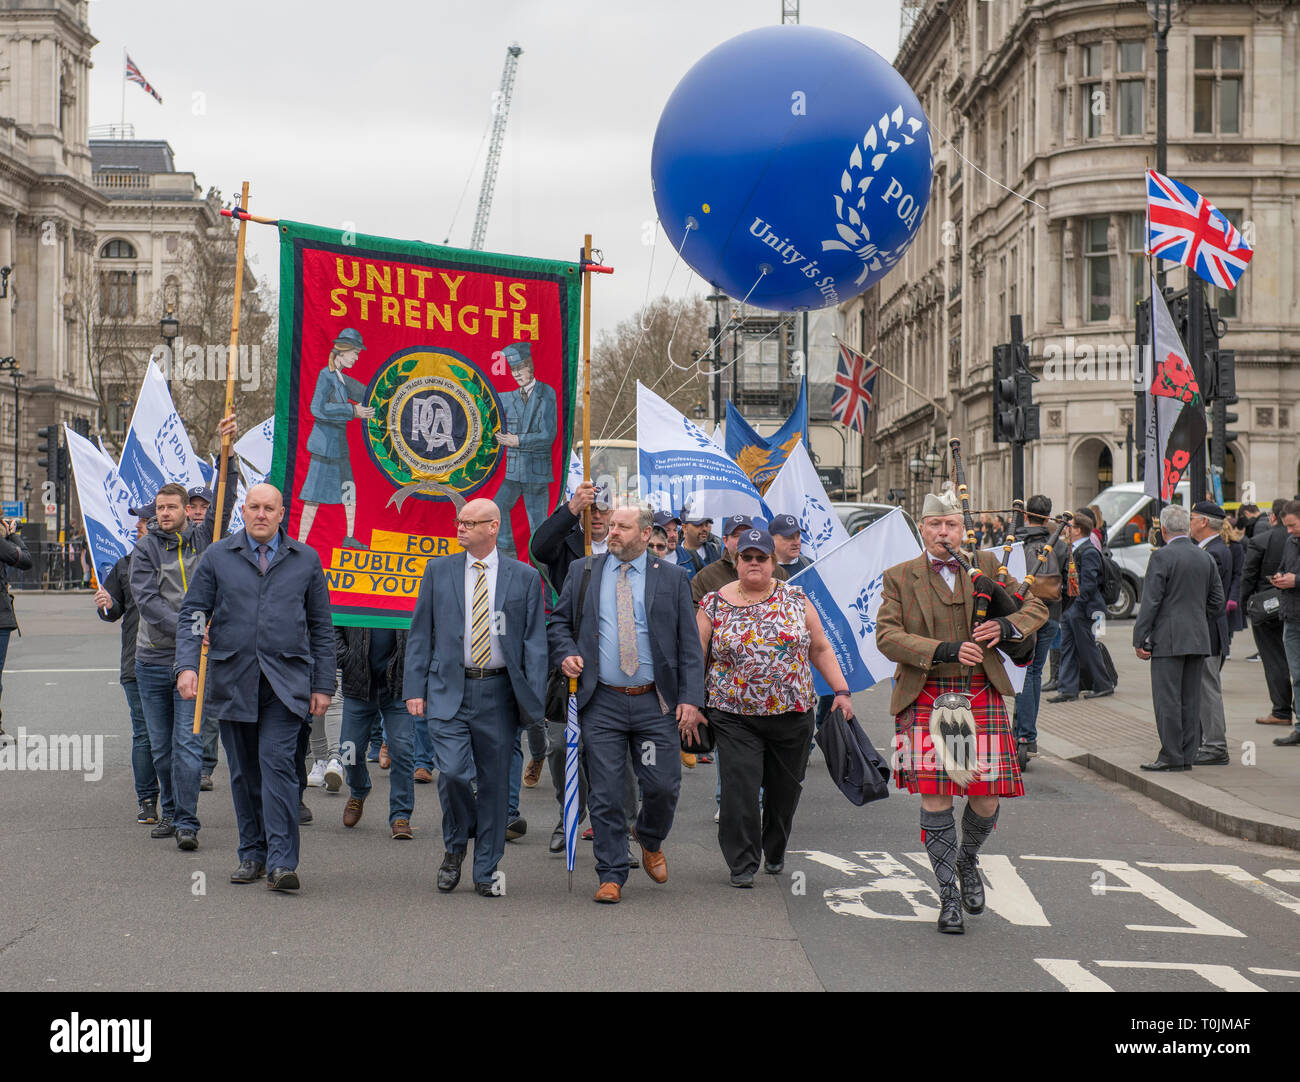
pixel 940 832
pixel 975 830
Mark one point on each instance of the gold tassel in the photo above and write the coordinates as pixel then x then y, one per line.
pixel 952 732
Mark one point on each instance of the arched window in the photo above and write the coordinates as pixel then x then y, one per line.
pixel 117 249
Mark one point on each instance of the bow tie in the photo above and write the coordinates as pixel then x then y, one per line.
pixel 939 565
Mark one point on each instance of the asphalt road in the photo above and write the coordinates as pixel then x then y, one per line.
pixel 1090 885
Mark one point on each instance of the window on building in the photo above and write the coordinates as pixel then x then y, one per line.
pixel 1093 103
pixel 1138 287
pixel 1217 92
pixel 1003 162
pixel 1096 270
pixel 1013 292
pixel 1013 137
pixel 117 249
pixel 1132 57
pixel 117 294
pixel 1131 93
pixel 1092 59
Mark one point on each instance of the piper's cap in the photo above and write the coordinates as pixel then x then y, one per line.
pixel 201 492
pixel 755 539
pixel 149 510
pixel 1208 508
pixel 348 339
pixel 940 504
pixel 783 526
pixel 662 518
pixel 732 523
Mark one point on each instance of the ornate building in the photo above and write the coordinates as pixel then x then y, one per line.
pixel 1052 104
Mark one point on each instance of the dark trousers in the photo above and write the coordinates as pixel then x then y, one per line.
pixel 1277 675
pixel 759 751
pixel 1176 692
pixel 476 745
pixel 1027 702
pixel 1080 655
pixel 142 768
pixel 265 759
pixel 4 650
pixel 614 725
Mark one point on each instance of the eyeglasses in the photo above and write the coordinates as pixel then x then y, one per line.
pixel 659 547
pixel 753 557
pixel 471 523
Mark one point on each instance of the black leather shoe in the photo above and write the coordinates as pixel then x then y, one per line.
pixel 1062 698
pixel 282 879
pixel 1212 758
pixel 1289 741
pixel 972 887
pixel 557 839
pixel 487 890
pixel 1158 765
pixel 742 879
pixel 187 840
pixel 516 828
pixel 1098 694
pixel 167 829
pixel 774 867
pixel 449 873
pixel 304 814
pixel 249 871
pixel 951 921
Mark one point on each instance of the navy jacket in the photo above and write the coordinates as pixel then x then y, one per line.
pixel 1219 637
pixel 674 634
pixel 435 646
pixel 556 543
pixel 275 625
pixel 1088 560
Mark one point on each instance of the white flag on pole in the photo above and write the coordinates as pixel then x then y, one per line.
pixel 797 490
pixel 257 446
pixel 104 500
pixel 157 447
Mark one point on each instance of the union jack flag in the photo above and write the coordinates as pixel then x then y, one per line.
pixel 135 75
pixel 855 383
pixel 1187 228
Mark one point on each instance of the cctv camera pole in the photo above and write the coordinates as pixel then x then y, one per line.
pixel 232 364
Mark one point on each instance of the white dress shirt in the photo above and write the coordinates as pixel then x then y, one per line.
pixel 491 561
pixel 599 548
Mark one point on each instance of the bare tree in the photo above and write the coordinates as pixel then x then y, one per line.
pixel 661 356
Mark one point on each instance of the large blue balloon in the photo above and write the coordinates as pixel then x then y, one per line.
pixel 798 150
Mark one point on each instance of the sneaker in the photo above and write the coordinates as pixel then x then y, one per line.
pixel 187 840
pixel 705 759
pixel 148 812
pixel 316 779
pixel 205 783
pixel 165 829
pixel 333 774
pixel 304 814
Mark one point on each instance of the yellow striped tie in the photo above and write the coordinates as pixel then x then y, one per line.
pixel 481 628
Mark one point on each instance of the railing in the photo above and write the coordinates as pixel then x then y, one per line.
pixel 122 182
pixel 54 567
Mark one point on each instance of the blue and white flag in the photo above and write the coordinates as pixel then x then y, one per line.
pixel 104 500
pixel 1016 570
pixel 797 490
pixel 157 448
pixel 237 512
pixel 256 447
pixel 761 457
pixel 845 587
pixel 677 460
pixel 574 478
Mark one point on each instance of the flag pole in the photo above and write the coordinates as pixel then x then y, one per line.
pixel 122 130
pixel 232 367
pixel 586 398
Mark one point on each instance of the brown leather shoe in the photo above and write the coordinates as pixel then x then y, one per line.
pixel 1271 720
pixel 385 760
pixel 423 776
pixel 609 893
pixel 352 811
pixel 402 830
pixel 655 865
pixel 688 760
pixel 533 773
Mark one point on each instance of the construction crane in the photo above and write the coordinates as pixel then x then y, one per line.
pixel 501 113
pixel 789 12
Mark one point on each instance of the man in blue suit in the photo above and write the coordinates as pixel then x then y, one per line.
pixel 640 673
pixel 475 673
pixel 529 416
pixel 260 597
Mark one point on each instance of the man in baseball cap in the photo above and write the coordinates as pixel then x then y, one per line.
pixel 668 522
pixel 697 549
pixel 786 543
pixel 723 570
pixel 199 499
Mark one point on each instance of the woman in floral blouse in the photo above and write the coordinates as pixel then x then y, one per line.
pixel 765 638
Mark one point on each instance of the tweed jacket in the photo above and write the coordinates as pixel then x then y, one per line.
pixel 918 611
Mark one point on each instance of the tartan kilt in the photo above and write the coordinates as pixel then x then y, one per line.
pixel 919 769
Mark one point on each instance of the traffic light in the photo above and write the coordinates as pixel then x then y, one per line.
pixel 1005 393
pixel 47 451
pixel 1026 410
pixel 1222 365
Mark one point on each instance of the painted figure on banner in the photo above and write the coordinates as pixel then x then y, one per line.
pixel 529 418
pixel 338 399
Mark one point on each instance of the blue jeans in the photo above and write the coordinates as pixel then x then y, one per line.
pixel 146 778
pixel 1027 701
pixel 354 733
pixel 177 751
pixel 536 750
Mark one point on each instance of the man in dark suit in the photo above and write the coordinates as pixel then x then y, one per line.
pixel 1263 560
pixel 1080 655
pixel 475 673
pixel 260 597
pixel 1182 599
pixel 640 673
pixel 1205 524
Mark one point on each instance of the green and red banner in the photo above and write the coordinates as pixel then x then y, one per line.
pixel 413 378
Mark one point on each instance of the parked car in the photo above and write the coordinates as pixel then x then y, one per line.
pixel 858 516
pixel 1129 513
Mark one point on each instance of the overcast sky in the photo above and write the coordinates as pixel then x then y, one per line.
pixel 371 113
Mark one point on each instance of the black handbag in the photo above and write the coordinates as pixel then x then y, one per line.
pixel 705 740
pixel 557 684
pixel 1265 606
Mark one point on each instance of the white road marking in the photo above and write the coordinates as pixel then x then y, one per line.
pixel 1235 874
pixel 1198 921
pixel 1070 972
pixel 1275 972
pixel 890 876
pixel 12 672
pixel 1007 894
pixel 1283 875
pixel 1224 977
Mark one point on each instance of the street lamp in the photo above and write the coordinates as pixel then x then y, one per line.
pixel 10 365
pixel 715 337
pixel 699 410
pixel 933 460
pixel 169 327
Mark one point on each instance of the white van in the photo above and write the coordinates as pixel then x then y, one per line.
pixel 1128 512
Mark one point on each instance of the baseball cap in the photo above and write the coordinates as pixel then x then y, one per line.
pixel 200 492
pixel 783 526
pixel 755 539
pixel 662 518
pixel 149 510
pixel 732 523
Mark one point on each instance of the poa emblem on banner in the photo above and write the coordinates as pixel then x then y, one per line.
pixel 431 434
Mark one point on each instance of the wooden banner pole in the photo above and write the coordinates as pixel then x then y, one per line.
pixel 586 385
pixel 232 369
